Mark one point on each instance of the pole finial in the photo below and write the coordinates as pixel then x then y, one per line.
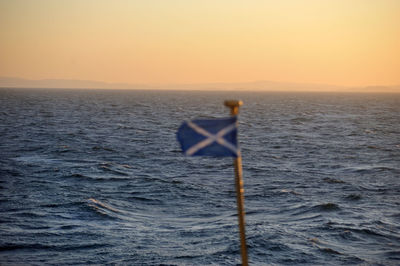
pixel 234 105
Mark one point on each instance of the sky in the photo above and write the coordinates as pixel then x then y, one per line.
pixel 338 42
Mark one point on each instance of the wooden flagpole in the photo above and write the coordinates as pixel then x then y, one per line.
pixel 234 106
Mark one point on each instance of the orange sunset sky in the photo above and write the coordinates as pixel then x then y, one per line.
pixel 340 42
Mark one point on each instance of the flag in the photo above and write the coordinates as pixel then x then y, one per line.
pixel 209 137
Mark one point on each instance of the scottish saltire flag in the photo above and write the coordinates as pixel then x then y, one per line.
pixel 211 137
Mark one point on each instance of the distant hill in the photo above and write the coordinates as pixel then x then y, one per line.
pixel 7 82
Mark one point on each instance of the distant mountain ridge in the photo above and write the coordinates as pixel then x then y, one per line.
pixel 60 83
pixel 9 82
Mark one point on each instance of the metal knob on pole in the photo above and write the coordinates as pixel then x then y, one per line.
pixel 234 106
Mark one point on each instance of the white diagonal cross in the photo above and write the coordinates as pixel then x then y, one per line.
pixel 211 138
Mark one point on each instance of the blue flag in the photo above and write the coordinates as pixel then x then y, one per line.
pixel 211 137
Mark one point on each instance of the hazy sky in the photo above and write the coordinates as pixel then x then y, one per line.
pixel 343 42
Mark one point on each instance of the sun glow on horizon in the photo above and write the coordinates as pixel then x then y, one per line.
pixel 351 43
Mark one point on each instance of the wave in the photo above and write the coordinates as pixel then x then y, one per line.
pixel 301 210
pixel 114 213
pixel 376 230
pixel 373 169
pixel 100 205
pixel 98 177
pixel 98 148
pixel 337 251
pixel 144 199
pixel 327 207
pixel 333 181
pixel 37 246
pixel 354 197
pixel 289 191
pixel 114 171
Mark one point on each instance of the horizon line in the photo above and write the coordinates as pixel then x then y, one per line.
pixel 255 85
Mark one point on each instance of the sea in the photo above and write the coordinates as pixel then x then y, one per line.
pixel 97 177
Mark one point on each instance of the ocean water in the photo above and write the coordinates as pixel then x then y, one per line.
pixel 97 177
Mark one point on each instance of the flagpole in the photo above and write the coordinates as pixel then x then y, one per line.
pixel 234 106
